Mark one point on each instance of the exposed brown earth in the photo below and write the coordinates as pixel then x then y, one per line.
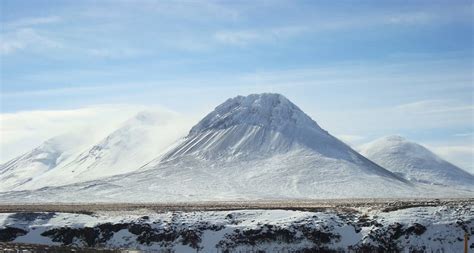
pixel 303 205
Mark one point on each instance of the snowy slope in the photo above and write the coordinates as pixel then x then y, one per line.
pixel 52 153
pixel 416 163
pixel 81 156
pixel 135 142
pixel 261 126
pixel 265 145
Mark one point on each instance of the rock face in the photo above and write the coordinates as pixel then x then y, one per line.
pixel 416 163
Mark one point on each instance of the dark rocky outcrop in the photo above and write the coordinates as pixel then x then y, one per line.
pixel 9 234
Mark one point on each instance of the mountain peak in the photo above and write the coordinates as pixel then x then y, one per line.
pixel 269 110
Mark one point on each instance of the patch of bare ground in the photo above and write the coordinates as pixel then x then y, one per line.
pixel 385 205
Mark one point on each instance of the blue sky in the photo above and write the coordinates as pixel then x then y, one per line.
pixel 361 69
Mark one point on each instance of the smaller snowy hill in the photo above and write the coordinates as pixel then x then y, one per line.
pixel 415 162
pixel 52 153
pixel 135 142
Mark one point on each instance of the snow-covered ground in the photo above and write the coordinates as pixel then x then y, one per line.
pixel 427 229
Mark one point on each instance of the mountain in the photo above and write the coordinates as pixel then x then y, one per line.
pixel 260 146
pixel 47 156
pixel 136 141
pixel 262 126
pixel 416 163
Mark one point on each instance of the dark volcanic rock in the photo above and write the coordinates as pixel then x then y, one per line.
pixel 9 234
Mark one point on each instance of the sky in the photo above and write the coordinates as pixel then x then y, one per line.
pixel 361 69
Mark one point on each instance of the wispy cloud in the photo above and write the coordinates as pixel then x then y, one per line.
pixel 351 139
pixel 410 18
pixel 24 38
pixel 20 34
pixel 460 155
pixel 315 25
pixel 471 134
pixel 115 53
pixel 435 107
pixel 31 21
pixel 244 37
pixel 22 131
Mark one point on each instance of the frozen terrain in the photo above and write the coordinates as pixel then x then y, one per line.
pixel 438 228
pixel 416 163
pixel 51 154
pixel 69 159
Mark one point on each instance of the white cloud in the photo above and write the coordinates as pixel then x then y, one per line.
pixel 460 155
pixel 465 134
pixel 315 24
pixel 114 53
pixel 22 33
pixel 10 46
pixel 351 139
pixel 32 21
pixel 25 38
pixel 238 37
pixel 410 18
pixel 244 37
pixel 435 107
pixel 22 131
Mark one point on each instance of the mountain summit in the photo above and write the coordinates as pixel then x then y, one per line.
pixel 245 127
pixel 272 111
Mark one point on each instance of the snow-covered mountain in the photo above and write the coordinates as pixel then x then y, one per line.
pixel 263 126
pixel 126 149
pixel 49 155
pixel 415 162
pixel 259 126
